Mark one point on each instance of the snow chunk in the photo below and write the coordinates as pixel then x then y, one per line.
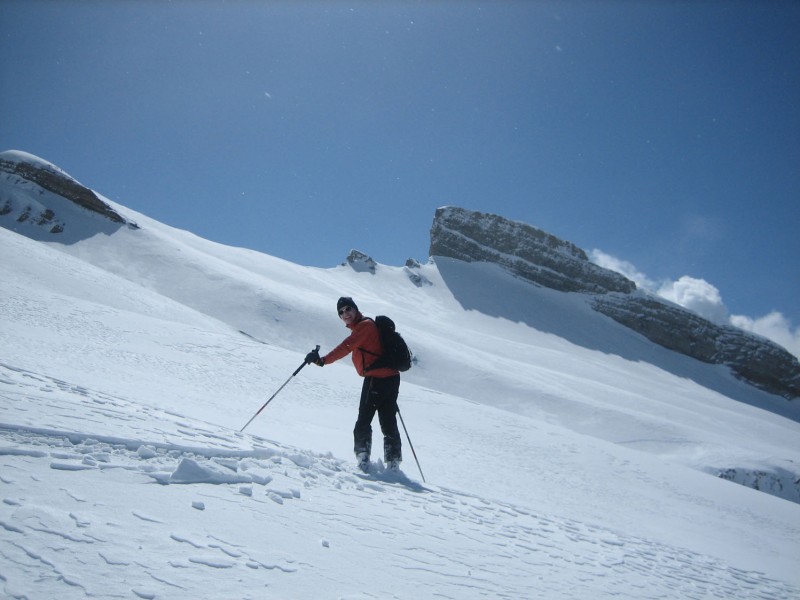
pixel 190 471
pixel 146 452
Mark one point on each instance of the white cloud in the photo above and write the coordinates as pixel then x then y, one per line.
pixel 623 267
pixel 697 295
pixel 773 326
pixel 702 297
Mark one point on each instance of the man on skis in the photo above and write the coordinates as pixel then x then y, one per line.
pixel 380 387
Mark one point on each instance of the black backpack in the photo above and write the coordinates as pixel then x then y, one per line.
pixel 396 354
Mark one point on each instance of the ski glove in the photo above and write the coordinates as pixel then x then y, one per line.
pixel 314 357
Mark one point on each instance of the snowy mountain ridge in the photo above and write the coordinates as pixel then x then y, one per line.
pixel 543 259
pixel 469 236
pixel 566 456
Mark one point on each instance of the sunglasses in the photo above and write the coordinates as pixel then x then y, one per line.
pixel 345 309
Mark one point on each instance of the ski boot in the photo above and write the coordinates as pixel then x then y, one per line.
pixel 363 461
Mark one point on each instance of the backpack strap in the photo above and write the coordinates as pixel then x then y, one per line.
pixel 364 350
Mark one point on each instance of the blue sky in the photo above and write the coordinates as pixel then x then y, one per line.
pixel 664 134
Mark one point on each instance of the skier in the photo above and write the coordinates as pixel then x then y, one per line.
pixel 379 390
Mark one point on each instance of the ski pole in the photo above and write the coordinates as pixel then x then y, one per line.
pixel 410 444
pixel 276 393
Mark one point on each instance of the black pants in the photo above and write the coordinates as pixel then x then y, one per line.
pixel 378 394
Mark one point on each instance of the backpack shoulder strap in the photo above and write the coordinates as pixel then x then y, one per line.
pixel 364 349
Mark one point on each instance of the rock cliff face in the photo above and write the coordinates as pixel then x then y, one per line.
pixel 527 252
pixel 536 256
pixel 754 359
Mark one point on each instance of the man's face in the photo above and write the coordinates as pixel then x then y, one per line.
pixel 347 314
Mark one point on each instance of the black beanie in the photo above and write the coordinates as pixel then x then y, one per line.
pixel 345 301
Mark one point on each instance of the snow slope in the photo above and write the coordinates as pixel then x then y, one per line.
pixel 556 467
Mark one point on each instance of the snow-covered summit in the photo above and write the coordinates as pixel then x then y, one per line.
pixel 21 157
pixel 42 201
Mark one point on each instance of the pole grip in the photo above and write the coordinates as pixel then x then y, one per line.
pixel 304 363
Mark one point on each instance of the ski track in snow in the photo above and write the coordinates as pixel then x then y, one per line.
pixel 295 504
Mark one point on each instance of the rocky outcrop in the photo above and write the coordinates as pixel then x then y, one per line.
pixel 754 359
pixel 536 256
pixel 19 169
pixel 781 483
pixel 360 262
pixel 412 269
pixel 525 251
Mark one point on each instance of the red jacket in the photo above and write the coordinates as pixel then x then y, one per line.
pixel 365 344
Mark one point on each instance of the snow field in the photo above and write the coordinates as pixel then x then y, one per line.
pixel 293 523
